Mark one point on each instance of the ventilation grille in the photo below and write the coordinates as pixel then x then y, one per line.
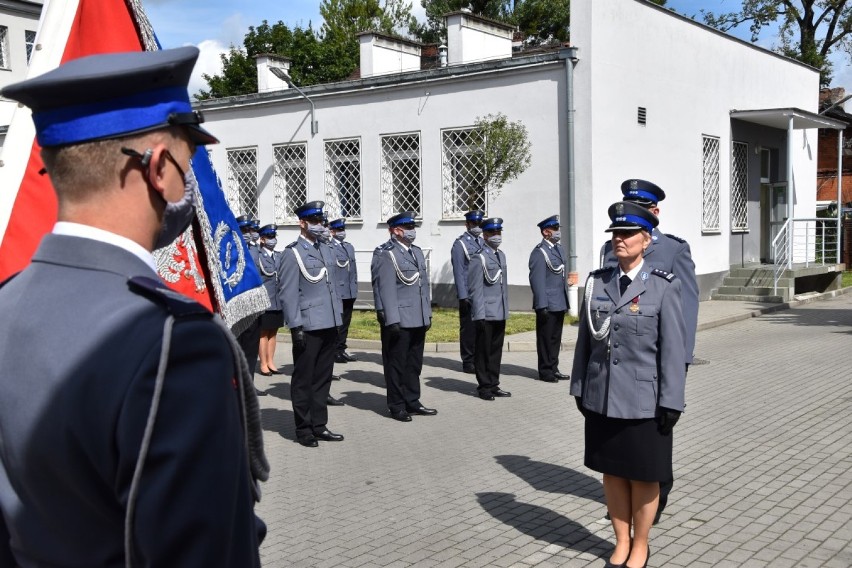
pixel 641 115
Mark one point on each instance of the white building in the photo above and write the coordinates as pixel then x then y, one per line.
pixel 18 25
pixel 655 96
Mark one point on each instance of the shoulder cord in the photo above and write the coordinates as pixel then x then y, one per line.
pixel 556 270
pixel 263 270
pixel 336 261
pixel 402 278
pixel 464 250
pixel 312 279
pixel 604 330
pixel 488 278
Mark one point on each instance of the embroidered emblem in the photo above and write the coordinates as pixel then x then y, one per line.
pixel 644 276
pixel 226 250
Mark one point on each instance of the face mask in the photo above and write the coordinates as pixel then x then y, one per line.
pixel 254 236
pixel 408 235
pixel 475 231
pixel 325 236
pixel 247 238
pixel 270 243
pixel 340 235
pixel 317 230
pixel 555 236
pixel 495 241
pixel 177 216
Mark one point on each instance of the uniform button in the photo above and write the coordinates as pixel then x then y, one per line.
pixel 616 327
pixel 615 346
pixel 618 311
pixel 615 362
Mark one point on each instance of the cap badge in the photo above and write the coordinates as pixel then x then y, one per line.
pixel 634 184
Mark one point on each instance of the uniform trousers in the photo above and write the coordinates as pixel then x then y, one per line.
pixel 249 341
pixel 343 330
pixel 467 334
pixel 489 354
pixel 548 340
pixel 403 363
pixel 311 381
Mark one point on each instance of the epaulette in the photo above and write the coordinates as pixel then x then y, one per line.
pixel 678 239
pixel 386 246
pixel 602 270
pixel 176 303
pixel 663 274
pixel 291 245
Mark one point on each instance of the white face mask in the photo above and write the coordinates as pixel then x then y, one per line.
pixel 316 230
pixel 408 235
pixel 495 241
pixel 555 236
pixel 340 235
pixel 270 243
pixel 475 231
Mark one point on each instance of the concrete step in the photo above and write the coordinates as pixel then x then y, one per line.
pixel 761 282
pixel 746 298
pixel 750 290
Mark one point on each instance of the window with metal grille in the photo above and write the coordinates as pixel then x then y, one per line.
pixel 462 172
pixel 242 181
pixel 710 186
pixel 400 175
pixel 289 181
pixel 29 39
pixel 739 187
pixel 4 47
pixel 343 178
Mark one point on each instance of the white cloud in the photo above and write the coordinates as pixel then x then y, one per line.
pixel 209 62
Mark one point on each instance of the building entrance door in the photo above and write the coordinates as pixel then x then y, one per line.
pixel 773 215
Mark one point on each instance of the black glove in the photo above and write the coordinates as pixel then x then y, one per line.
pixel 393 330
pixel 580 407
pixel 541 312
pixel 298 337
pixel 380 315
pixel 464 307
pixel 429 325
pixel 666 420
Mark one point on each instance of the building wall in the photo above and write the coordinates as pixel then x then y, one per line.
pixel 18 17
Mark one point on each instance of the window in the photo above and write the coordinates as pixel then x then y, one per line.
pixel 765 165
pixel 242 181
pixel 289 181
pixel 462 172
pixel 710 187
pixel 343 178
pixel 29 38
pixel 400 175
pixel 4 47
pixel 739 187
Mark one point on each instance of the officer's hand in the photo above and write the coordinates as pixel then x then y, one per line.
pixel 541 312
pixel 580 407
pixel 393 330
pixel 298 337
pixel 666 420
pixel 429 325
pixel 464 306
pixel 380 315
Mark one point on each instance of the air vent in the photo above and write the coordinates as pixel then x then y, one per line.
pixel 641 115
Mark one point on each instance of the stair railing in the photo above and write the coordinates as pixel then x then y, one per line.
pixel 813 241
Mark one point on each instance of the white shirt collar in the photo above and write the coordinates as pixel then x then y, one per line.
pixel 88 232
pixel 632 274
pixel 400 243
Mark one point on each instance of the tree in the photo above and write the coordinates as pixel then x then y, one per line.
pixel 434 30
pixel 809 30
pixel 504 151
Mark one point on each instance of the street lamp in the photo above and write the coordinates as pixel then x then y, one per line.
pixel 281 74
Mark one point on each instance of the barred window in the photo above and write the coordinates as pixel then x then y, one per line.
pixel 400 175
pixel 739 187
pixel 242 181
pixel 710 188
pixel 4 47
pixel 462 172
pixel 29 39
pixel 290 181
pixel 343 178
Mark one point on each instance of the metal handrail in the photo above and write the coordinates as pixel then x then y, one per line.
pixel 813 247
pixel 780 255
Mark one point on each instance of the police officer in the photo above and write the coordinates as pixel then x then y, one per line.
pixel 629 379
pixel 550 298
pixel 463 247
pixel 671 254
pixel 347 284
pixel 249 338
pixel 269 265
pixel 123 425
pixel 488 290
pixel 312 310
pixel 402 285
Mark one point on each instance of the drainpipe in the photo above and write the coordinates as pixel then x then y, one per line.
pixel 568 210
pixel 790 191
pixel 839 191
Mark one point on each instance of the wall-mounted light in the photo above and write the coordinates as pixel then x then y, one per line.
pixel 281 74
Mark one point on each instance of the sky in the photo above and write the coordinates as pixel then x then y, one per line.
pixel 214 25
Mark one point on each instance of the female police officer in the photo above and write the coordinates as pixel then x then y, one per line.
pixel 628 379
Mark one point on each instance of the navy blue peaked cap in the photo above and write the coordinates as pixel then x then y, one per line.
pixel 630 216
pixel 309 209
pixel 244 222
pixel 337 224
pixel 549 222
pixel 642 191
pixel 402 218
pixel 475 215
pixel 112 95
pixel 492 224
pixel 268 231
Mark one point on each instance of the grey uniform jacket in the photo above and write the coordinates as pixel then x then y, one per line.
pixel 269 266
pixel 670 254
pixel 638 367
pixel 488 288
pixel 403 285
pixel 307 290
pixel 347 272
pixel 547 277
pixel 374 273
pixel 80 352
pixel 464 246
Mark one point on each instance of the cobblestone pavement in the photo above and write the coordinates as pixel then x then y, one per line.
pixel 762 462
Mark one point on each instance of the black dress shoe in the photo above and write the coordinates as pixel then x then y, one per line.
pixel 562 376
pixel 335 377
pixel 423 411
pixel 501 392
pixel 308 442
pixel 259 393
pixel 486 396
pixel 331 401
pixel 402 416
pixel 553 379
pixel 340 358
pixel 348 356
pixel 328 436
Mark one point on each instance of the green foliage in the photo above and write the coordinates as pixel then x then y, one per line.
pixel 434 30
pixel 505 151
pixel 543 21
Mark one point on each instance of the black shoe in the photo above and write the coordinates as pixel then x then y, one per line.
pixel 277 372
pixel 331 401
pixel 335 377
pixel 259 393
pixel 553 379
pixel 402 416
pixel 469 369
pixel 646 559
pixel 562 376
pixel 486 396
pixel 348 356
pixel 308 442
pixel 265 373
pixel 657 516
pixel 501 393
pixel 423 411
pixel 328 436
pixel 340 358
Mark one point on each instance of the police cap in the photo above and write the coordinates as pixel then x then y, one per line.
pixel 244 222
pixel 310 209
pixel 112 95
pixel 549 222
pixel 642 192
pixel 630 216
pixel 474 216
pixel 402 218
pixel 492 224
pixel 337 224
pixel 268 231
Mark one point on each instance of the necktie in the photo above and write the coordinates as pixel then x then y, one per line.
pixel 623 283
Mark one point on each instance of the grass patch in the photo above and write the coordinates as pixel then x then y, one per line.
pixel 445 325
pixel 847 278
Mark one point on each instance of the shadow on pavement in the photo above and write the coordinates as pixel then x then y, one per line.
pixel 467 388
pixel 358 376
pixel 544 476
pixel 363 356
pixel 278 421
pixel 841 318
pixel 542 523
pixel 374 402
pixel 279 390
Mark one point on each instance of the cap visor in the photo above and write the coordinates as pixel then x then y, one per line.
pixel 625 228
pixel 200 136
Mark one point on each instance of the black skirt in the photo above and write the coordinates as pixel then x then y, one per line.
pixel 632 449
pixel 271 320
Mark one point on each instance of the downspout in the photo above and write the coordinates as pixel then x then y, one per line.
pixel 790 191
pixel 568 210
pixel 839 191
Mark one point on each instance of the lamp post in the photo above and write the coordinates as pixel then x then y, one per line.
pixel 281 74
